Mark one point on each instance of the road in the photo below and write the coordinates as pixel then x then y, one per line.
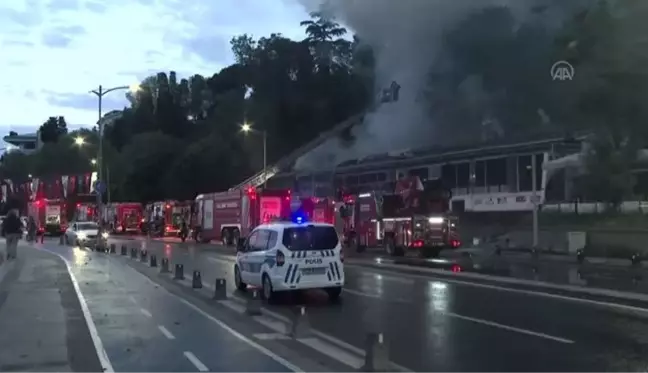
pixel 432 323
pixel 143 327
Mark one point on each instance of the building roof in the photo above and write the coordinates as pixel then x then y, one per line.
pixel 21 138
pixel 443 154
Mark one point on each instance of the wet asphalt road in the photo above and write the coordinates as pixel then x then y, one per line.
pixel 432 324
pixel 145 328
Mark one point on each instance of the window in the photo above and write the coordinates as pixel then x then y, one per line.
pixel 29 146
pixel 87 226
pixel 310 238
pixel 496 172
pixel 422 173
pixel 463 175
pixel 252 240
pixel 351 180
pixel 381 176
pixel 449 175
pixel 261 241
pixel 367 178
pixel 480 173
pixel 524 173
pixel 272 240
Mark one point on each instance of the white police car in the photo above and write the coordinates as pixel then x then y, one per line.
pixel 287 256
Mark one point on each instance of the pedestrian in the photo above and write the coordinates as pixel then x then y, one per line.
pixel 12 231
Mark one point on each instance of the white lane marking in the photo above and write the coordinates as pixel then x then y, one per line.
pixel 329 338
pixel 166 332
pixel 509 328
pixel 290 366
pixel 132 299
pixel 92 327
pixel 221 260
pixel 233 306
pixel 195 361
pixel 375 296
pixel 333 352
pixel 145 312
pixel 431 277
pixel 270 336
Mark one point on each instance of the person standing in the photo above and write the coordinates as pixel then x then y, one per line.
pixel 12 231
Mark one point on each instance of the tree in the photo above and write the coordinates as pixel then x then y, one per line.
pixel 52 129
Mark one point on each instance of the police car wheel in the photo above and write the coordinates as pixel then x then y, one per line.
pixel 267 292
pixel 240 285
pixel 334 293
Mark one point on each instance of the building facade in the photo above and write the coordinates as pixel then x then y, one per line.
pixel 26 143
pixel 490 177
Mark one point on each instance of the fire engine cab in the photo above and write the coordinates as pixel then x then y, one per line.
pixel 414 218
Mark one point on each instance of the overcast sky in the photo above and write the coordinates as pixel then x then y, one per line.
pixel 55 51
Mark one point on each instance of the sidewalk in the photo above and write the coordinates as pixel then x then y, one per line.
pixel 42 326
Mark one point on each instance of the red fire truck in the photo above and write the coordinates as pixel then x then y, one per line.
pixel 415 217
pixel 50 215
pixel 124 216
pixel 226 216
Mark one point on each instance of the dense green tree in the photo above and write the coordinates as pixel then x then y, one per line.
pixel 52 129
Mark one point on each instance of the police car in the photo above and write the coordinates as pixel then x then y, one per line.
pixel 287 256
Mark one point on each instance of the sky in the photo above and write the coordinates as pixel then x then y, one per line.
pixel 55 51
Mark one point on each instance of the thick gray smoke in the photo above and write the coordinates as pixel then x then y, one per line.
pixel 406 36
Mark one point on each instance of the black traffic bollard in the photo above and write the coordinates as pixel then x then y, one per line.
pixel 635 259
pixel 113 248
pixel 143 255
pixel 133 253
pixel 220 290
pixel 62 239
pixel 164 265
pixel 196 280
pixel 253 304
pixel 179 272
pixel 376 354
pixel 580 256
pixel 124 250
pixel 300 326
pixel 153 261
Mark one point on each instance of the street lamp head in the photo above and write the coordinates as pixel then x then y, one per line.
pixel 79 140
pixel 134 87
pixel 93 161
pixel 246 127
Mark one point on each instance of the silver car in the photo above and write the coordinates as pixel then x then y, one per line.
pixel 83 233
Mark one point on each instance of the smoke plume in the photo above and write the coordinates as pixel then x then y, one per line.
pixel 406 36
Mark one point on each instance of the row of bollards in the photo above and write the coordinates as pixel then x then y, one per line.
pixel 376 352
pixel 635 258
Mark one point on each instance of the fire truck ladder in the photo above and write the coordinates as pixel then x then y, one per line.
pixel 387 95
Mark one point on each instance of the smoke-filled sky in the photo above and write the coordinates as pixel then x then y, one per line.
pixel 406 37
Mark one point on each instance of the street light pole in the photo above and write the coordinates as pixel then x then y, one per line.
pixel 100 92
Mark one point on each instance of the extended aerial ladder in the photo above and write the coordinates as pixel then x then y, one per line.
pixel 389 94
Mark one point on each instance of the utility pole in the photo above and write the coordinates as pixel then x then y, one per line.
pixel 534 200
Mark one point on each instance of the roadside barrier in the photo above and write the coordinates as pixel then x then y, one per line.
pixel 196 280
pixel 164 268
pixel 253 304
pixel 220 289
pixel 300 326
pixel 179 272
pixel 376 354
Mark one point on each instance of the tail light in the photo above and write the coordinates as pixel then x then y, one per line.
pixel 417 243
pixel 456 268
pixel 342 255
pixel 281 259
pixel 455 243
pixel 167 228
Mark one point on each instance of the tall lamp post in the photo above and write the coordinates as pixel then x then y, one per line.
pixel 247 128
pixel 100 92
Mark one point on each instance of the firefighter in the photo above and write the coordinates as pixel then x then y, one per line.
pixel 184 230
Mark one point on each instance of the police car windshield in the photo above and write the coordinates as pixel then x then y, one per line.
pixel 310 238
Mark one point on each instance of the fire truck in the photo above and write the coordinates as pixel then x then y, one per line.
pixel 167 216
pixel 413 218
pixel 226 216
pixel 124 216
pixel 50 215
